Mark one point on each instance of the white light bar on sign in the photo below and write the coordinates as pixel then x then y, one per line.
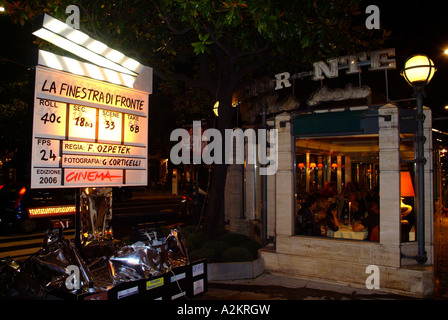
pixel 58 62
pixel 82 45
pixel 79 50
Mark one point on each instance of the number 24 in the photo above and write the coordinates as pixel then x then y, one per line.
pixel 44 155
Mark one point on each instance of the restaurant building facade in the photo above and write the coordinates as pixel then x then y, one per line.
pixel 363 150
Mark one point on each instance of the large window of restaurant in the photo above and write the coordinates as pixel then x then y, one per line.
pixel 337 194
pixel 337 176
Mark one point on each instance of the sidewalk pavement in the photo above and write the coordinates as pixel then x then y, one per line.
pixel 280 287
pixel 441 254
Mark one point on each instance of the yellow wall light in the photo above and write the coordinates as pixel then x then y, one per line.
pixel 215 108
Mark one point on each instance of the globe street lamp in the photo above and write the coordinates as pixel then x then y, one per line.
pixel 418 71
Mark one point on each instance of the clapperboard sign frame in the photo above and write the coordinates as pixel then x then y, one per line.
pixel 90 121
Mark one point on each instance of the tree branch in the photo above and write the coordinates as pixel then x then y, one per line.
pixel 203 68
pixel 251 67
pixel 167 18
pixel 218 43
pixel 175 30
pixel 265 47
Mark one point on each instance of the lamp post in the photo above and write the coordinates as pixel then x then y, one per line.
pixel 418 71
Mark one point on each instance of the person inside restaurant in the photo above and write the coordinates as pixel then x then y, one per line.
pixel 356 206
pixel 317 216
pixel 306 215
pixel 371 223
pixel 328 219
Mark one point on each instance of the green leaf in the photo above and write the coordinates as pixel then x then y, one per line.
pixel 305 41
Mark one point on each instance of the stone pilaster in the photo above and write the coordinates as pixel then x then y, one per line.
pixel 389 159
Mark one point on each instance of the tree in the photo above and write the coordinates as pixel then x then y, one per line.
pixel 217 45
pixel 14 119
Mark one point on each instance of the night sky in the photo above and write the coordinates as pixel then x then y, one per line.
pixel 417 27
pixel 420 27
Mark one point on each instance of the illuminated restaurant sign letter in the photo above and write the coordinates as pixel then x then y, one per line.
pixel 379 60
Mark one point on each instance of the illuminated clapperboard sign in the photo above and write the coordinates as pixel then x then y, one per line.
pixel 90 121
